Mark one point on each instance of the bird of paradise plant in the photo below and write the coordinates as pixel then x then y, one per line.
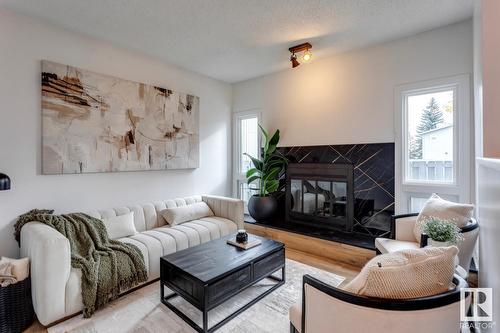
pixel 268 166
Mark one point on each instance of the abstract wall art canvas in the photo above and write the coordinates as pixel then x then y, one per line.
pixel 98 123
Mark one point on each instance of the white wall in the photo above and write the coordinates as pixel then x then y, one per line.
pixel 349 98
pixel 478 81
pixel 491 77
pixel 487 67
pixel 23 43
pixel 488 184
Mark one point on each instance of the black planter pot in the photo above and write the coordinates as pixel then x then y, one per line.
pixel 262 208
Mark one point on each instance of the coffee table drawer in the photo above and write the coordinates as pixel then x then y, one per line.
pixel 268 264
pixel 229 285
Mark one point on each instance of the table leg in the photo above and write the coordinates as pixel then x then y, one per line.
pixel 205 321
pixel 276 278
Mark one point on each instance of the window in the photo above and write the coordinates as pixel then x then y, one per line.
pixel 417 201
pixel 246 140
pixel 416 204
pixel 433 148
pixel 429 136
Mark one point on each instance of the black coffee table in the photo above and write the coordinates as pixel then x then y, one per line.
pixel 209 274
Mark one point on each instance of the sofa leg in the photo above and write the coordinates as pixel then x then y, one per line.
pixel 377 251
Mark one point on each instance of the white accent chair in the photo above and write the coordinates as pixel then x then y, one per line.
pixel 325 309
pixel 403 238
pixel 56 286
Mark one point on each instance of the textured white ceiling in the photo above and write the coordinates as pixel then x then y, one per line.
pixel 234 40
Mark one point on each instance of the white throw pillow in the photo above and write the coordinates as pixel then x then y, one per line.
pixel 406 274
pixel 187 213
pixel 460 214
pixel 120 226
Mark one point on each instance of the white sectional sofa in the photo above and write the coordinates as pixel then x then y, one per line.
pixel 56 286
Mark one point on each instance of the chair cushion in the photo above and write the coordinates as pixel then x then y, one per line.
pixel 407 274
pixel 458 213
pixel 387 245
pixel 178 215
pixel 295 315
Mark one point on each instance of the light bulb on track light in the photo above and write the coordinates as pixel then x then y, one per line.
pixel 307 56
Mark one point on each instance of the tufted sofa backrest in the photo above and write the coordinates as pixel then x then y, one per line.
pixel 146 216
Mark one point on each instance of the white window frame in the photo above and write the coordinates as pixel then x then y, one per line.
pixel 460 187
pixel 238 175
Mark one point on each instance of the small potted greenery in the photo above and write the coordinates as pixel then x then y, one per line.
pixel 441 232
pixel 266 171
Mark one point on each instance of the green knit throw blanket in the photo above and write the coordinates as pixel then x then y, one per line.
pixel 109 267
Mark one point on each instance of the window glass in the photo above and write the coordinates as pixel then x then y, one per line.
pixel 430 148
pixel 249 141
pixel 245 192
pixel 418 202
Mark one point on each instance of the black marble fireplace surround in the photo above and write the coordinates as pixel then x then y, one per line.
pixel 372 190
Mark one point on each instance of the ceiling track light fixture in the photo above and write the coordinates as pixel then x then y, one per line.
pixel 304 47
pixel 293 59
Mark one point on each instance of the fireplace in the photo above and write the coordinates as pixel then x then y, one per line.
pixel 343 193
pixel 320 195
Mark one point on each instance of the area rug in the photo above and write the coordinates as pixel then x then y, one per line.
pixel 142 311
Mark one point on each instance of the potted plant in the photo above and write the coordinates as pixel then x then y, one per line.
pixel 266 171
pixel 441 232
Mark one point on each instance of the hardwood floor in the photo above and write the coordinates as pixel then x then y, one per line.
pixel 327 264
pixel 336 252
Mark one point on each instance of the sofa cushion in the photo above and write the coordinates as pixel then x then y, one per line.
pixel 406 274
pixel 120 226
pixel 139 217
pixel 184 236
pixel 155 252
pixel 203 232
pixel 435 206
pixel 167 241
pixel 225 226
pixel 387 245
pixel 213 228
pixel 186 213
pixel 192 235
pixel 181 239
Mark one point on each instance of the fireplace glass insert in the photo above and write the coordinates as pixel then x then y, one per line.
pixel 320 195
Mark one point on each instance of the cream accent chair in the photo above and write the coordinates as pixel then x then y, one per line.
pixel 56 286
pixel 403 238
pixel 326 309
